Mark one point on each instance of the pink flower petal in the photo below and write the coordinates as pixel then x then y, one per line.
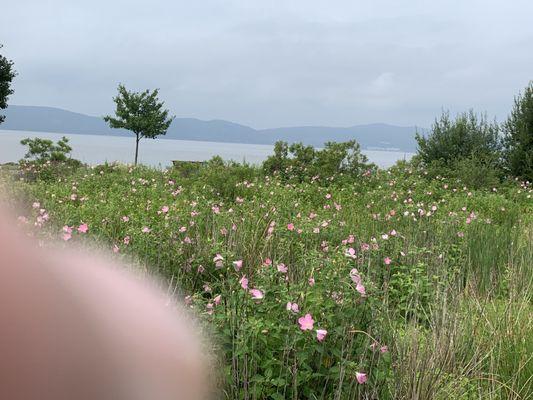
pixel 361 377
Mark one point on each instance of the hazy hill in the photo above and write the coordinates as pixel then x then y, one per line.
pixel 48 119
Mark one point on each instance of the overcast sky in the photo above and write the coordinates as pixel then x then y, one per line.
pixel 271 63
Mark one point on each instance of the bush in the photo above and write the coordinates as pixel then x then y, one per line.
pixel 465 137
pixel 47 161
pixel 226 179
pixel 299 162
pixel 42 150
pixel 518 137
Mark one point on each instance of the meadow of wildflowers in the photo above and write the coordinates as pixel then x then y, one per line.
pixel 391 286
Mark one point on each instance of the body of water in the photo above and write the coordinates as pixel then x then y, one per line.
pixel 95 149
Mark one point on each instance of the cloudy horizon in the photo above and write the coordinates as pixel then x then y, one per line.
pixel 276 64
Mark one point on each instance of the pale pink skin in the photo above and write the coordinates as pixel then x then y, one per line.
pixel 71 336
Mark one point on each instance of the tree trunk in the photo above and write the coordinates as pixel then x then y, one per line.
pixel 137 138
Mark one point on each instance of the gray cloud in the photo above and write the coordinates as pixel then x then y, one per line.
pixel 274 63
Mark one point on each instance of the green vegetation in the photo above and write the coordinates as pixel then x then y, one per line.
pixel 384 285
pixel 518 136
pixel 44 150
pixel 46 161
pixel 297 162
pixel 139 112
pixel 7 74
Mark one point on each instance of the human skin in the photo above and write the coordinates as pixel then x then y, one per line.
pixel 76 326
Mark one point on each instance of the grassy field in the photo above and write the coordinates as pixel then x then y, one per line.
pixel 394 286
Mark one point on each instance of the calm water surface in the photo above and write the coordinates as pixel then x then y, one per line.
pixel 94 149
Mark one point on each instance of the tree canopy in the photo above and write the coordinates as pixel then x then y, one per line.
pixel 7 73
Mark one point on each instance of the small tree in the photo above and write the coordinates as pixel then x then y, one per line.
pixel 452 140
pixel 518 136
pixel 7 73
pixel 139 112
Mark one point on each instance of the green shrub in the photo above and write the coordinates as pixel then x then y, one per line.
pixel 47 161
pixel 465 137
pixel 300 163
pixel 43 150
pixel 518 137
pixel 226 179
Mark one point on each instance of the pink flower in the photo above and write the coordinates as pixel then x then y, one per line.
pixel 67 236
pixel 244 282
pixel 387 260
pixel 217 299
pixel 356 278
pixel 361 377
pixel 350 252
pixel 384 349
pixel 146 229
pixel 311 281
pixel 67 229
pixel 256 294
pixel 360 288
pixel 83 228
pixel 290 226
pixel 321 334
pixel 219 261
pixel 292 307
pixel 306 323
pixel 267 262
pixel 36 204
pixel 238 265
pixel 164 209
pixel 127 240
pixel 125 218
pixel 282 268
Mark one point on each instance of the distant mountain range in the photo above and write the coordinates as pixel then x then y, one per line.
pixel 372 136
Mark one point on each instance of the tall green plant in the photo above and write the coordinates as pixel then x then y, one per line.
pixel 518 136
